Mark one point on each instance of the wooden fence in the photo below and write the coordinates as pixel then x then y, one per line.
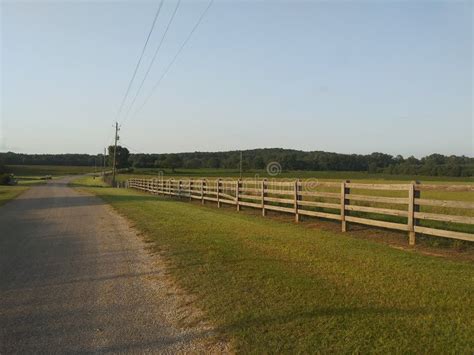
pixel 404 209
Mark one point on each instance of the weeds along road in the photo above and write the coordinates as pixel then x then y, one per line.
pixel 75 278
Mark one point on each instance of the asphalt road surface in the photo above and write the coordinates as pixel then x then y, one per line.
pixel 74 277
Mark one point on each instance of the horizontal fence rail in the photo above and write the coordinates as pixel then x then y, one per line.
pixel 359 203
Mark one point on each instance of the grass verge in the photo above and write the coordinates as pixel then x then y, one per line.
pixel 55 170
pixel 10 192
pixel 272 286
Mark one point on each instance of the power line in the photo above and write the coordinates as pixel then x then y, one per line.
pixel 131 148
pixel 175 57
pixel 140 59
pixel 153 60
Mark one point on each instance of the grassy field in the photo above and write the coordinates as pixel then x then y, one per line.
pixel 88 181
pixel 54 170
pixel 10 192
pixel 435 195
pixel 323 175
pixel 272 286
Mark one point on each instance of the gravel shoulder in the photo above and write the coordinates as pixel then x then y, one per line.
pixel 76 278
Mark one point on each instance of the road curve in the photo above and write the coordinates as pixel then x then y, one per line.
pixel 74 277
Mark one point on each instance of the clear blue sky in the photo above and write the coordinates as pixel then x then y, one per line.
pixel 343 76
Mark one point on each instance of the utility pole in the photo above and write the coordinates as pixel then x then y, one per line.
pixel 105 155
pixel 114 164
pixel 240 166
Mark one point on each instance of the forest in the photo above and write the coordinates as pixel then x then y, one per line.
pixel 289 159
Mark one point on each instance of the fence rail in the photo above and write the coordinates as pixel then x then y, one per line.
pixel 346 202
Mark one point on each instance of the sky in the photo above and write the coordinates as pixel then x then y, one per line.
pixel 342 76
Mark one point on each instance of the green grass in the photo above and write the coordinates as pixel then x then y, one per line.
pixel 272 286
pixel 29 180
pixel 436 195
pixel 88 181
pixel 323 175
pixel 55 170
pixel 10 192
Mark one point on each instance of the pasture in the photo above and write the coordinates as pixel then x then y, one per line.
pixel 443 210
pixel 322 175
pixel 54 170
pixel 267 283
pixel 8 192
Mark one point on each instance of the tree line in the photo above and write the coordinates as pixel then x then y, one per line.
pixel 257 159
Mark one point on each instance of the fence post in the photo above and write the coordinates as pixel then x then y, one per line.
pixel 202 191
pixel 296 198
pixel 237 192
pixel 264 186
pixel 344 202
pixel 218 188
pixel 190 188
pixel 413 193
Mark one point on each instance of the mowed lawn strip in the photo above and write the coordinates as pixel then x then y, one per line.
pixel 274 286
pixel 10 192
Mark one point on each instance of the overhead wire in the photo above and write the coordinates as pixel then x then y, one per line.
pixel 139 60
pixel 175 57
pixel 152 61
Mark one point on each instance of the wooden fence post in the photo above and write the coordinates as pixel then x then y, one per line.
pixel 202 191
pixel 218 189
pixel 264 187
pixel 413 193
pixel 296 198
pixel 237 192
pixel 344 202
pixel 190 188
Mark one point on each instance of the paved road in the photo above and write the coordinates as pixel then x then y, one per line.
pixel 75 278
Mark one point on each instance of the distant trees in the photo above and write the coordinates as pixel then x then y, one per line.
pixel 4 176
pixel 122 157
pixel 3 168
pixel 11 158
pixel 434 164
pixel 173 161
